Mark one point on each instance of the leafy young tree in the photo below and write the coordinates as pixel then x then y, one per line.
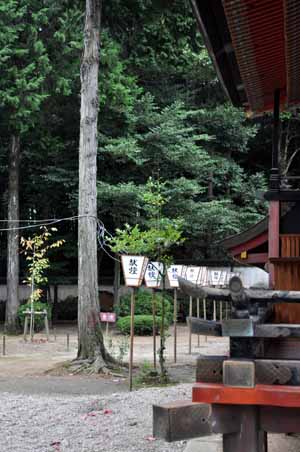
pixel 155 240
pixel 36 250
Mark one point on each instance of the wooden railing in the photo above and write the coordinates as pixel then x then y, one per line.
pixel 290 245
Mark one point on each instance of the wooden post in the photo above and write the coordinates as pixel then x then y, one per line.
pixel 68 341
pixel 274 206
pixel 190 325
pixel 175 325
pixel 131 337
pixel 154 328
pixel 4 345
pixel 46 324
pixel 31 333
pixel 198 316
pixel 250 438
pixel 204 313
pixel 25 327
pixel 274 219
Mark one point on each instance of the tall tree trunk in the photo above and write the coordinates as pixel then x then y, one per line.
pixel 12 303
pixel 117 274
pixel 91 345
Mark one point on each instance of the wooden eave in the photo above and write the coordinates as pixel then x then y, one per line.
pixel 255 47
pixel 245 240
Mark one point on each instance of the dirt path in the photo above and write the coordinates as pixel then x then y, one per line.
pixel 25 359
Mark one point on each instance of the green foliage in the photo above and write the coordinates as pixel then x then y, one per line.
pixel 143 304
pixel 143 324
pixel 162 115
pixel 160 234
pixel 38 306
pixel 36 249
pixel 24 62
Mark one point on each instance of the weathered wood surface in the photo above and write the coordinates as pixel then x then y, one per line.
pixel 209 369
pixel 250 438
pixel 267 371
pixel 240 374
pixel 205 327
pixel 243 328
pixel 286 348
pixel 238 328
pixel 246 348
pixel 276 330
pixel 238 294
pixel 181 420
pixel 280 420
pixel 196 291
pixel 277 372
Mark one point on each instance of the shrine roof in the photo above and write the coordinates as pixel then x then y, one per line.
pixel 247 235
pixel 255 47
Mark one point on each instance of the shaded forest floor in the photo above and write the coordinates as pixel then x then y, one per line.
pixel 93 414
pixel 36 358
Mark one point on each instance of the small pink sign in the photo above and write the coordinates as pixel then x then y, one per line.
pixel 109 317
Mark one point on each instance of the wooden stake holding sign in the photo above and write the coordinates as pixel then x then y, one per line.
pixel 203 281
pixel 173 272
pixel 134 268
pixel 192 275
pixel 153 277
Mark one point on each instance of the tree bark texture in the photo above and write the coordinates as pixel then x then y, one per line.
pixel 117 275
pixel 12 303
pixel 89 331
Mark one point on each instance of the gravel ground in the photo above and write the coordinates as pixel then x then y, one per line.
pixel 114 423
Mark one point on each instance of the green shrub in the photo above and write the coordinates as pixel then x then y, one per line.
pixel 143 304
pixel 143 324
pixel 39 322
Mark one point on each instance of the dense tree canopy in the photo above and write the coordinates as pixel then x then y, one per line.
pixel 162 115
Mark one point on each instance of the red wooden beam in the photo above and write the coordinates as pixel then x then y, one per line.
pixel 254 258
pixel 274 242
pixel 284 396
pixel 251 244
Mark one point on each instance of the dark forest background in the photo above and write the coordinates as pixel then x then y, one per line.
pixel 162 114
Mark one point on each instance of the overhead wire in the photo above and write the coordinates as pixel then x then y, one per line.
pixel 102 232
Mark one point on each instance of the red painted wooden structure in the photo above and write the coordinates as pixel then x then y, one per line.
pixel 213 393
pixel 255 47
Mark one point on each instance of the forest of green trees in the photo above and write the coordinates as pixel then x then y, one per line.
pixel 162 114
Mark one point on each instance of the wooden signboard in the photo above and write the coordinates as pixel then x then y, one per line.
pixel 109 317
pixel 134 268
pixel 153 274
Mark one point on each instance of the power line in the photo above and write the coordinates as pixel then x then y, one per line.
pixel 102 232
pixel 41 223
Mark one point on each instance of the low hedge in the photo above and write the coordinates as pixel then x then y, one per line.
pixel 39 322
pixel 143 304
pixel 143 324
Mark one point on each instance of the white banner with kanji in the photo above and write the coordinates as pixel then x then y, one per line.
pixel 173 272
pixel 134 268
pixel 153 274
